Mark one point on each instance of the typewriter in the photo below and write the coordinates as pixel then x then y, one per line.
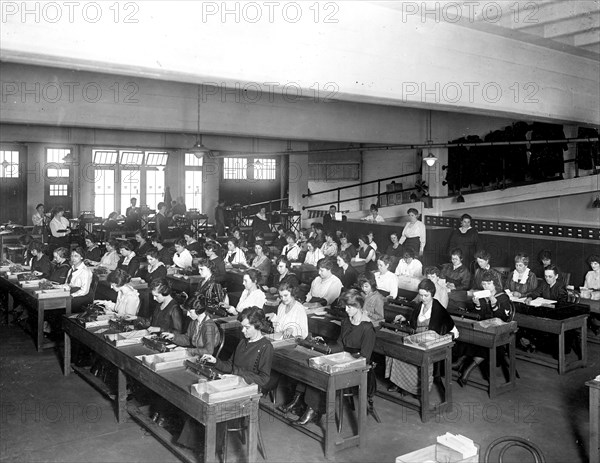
pixel 401 327
pixel 217 311
pixel 463 312
pixel 90 314
pixel 155 342
pixel 27 277
pixel 121 325
pixel 202 368
pixel 314 344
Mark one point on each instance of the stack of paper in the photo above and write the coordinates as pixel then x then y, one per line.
pixel 458 443
pixel 540 301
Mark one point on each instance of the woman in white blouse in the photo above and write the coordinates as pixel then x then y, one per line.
pixel 314 254
pixel 413 235
pixel 327 287
pixel 235 256
pixel 386 280
pixel 291 250
pixel 329 247
pixel 251 296
pixel 59 230
pixel 182 257
pixel 79 281
pixel 128 299
pixel 290 320
pixel 409 266
pixel 110 259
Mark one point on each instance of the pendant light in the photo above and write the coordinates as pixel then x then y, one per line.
pixel 199 150
pixel 430 159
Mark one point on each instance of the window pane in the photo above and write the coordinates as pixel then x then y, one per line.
pixel 193 189
pixel 9 164
pixel 155 187
pixel 130 188
pixel 192 161
pixel 59 190
pixel 156 158
pixel 105 157
pixel 56 155
pixel 264 169
pixel 235 169
pixel 131 158
pixel 58 173
pixel 104 192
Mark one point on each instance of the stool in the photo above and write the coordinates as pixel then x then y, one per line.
pixel 242 427
pixel 349 393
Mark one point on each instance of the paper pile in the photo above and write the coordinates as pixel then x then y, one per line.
pixel 458 443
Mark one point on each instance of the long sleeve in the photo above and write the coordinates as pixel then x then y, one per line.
pixel 82 279
pixel 127 303
pixel 183 260
pixel 294 323
pixel 255 298
pixel 422 235
pixel 110 260
pixel 251 361
pixel 374 306
pixel 329 289
pixel 205 339
pixel 58 224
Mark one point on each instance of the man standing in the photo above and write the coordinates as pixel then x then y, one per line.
pixel 162 223
pixel 220 218
pixel 329 219
pixel 132 216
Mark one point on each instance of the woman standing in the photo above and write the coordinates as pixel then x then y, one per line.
pixel 429 315
pixel 523 280
pixel 251 296
pixel 366 253
pixel 413 235
pixel 290 319
pixel 465 238
pixel 128 299
pixel 59 230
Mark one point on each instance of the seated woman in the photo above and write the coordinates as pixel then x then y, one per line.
pixel 366 254
pixel 128 299
pixel 496 305
pixel 129 261
pixel 235 256
pixel 111 222
pixel 182 258
pixel 110 259
pixel 409 266
pixel 592 278
pixel 394 249
pixel 348 274
pixel 251 296
pixel 357 337
pixel 61 266
pixel 346 245
pixel 457 276
pixel 483 259
pixel 551 288
pixel 290 321
pixel 371 238
pixel 522 281
pixel 39 262
pixel 291 251
pixel 236 232
pixel 317 234
pixel 280 241
pixel 314 253
pixel 284 275
pixel 143 245
pixel 209 290
pixel 326 287
pixel 428 315
pixel 387 282
pixel 465 238
pixel 219 271
pixel 303 244
pixel 374 300
pixel 92 251
pixel 192 245
pixel 329 247
pixel 441 291
pixel 373 215
pixel 167 316
pixel 260 222
pixel 165 254
pixel 155 269
pixel 79 281
pixel 261 262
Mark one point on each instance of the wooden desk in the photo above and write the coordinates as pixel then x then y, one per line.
pixel 306 273
pixel 559 327
pixel 293 363
pixel 38 306
pixel 594 306
pixel 172 385
pixel 491 338
pixel 594 444
pixel 186 283
pixel 234 280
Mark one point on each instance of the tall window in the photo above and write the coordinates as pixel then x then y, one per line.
pixel 104 192
pixel 130 188
pixel 235 168
pixel 264 169
pixel 193 181
pixel 155 187
pixel 9 164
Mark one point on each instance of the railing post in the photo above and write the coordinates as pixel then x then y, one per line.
pixel 378 192
pixel 338 200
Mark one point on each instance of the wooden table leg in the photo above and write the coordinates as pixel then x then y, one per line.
pixel 561 351
pixel 210 438
pixel 594 425
pixel 330 428
pixel 448 379
pixel 252 446
pixel 40 326
pixel 425 388
pixel 121 397
pixel 493 380
pixel 67 355
pixel 362 409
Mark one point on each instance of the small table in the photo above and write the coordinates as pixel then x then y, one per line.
pixel 594 444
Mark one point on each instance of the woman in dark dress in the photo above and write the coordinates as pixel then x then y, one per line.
pixel 167 316
pixel 366 253
pixel 92 252
pixel 155 269
pixel 129 261
pixel 394 249
pixel 61 266
pixel 209 291
pixel 219 272
pixel 357 337
pixel 39 262
pixel 346 245
pixel 466 239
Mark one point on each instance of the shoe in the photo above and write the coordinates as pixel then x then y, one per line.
pixel 394 388
pixel 161 422
pixel 296 401
pixel 309 415
pixel 456 366
pixel 155 417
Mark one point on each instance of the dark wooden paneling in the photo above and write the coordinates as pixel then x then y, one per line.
pixel 13 195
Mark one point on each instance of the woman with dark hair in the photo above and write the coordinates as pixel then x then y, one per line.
pixel 143 245
pixel 192 245
pixel 371 239
pixel 235 256
pixel 39 220
pixel 497 304
pixel 110 259
pixel 522 280
pixel 128 299
pixel 261 262
pixel 457 276
pixel 279 242
pixel 92 251
pixel 367 254
pixel 346 245
pixel 592 278
pixel 182 258
pixel 317 234
pixel 165 255
pixel 59 229
pixel 111 222
pixel 219 272
pixel 61 266
pixel 329 247
pixel 386 280
pixel 79 281
pixel 39 263
pixel 326 287
pixel 413 234
pixel 284 275
pixel 373 215
pixel 483 262
pixel 291 251
pixel 465 238
pixel 166 316
pixel 208 289
pixel 129 262
pixel 428 315
pixel 313 254
pixel 236 232
pixel 251 296
pixel 290 320
pixel 394 249
pixel 374 300
pixel 260 222
pixel 155 269
pixel 441 291
pixel 357 337
pixel 348 274
pixel 409 266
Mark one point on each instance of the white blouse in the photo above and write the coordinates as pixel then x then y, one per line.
pixel 413 270
pixel 313 257
pixel 81 277
pixel 414 230
pixel 295 322
pixel 183 260
pixel 238 257
pixel 59 224
pixel 250 299
pixel 387 282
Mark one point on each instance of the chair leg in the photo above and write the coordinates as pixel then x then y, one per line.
pixel 261 444
pixel 341 412
pixel 371 410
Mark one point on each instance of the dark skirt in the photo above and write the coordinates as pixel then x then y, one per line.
pixel 414 243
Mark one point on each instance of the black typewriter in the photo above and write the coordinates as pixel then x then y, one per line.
pixel 27 277
pixel 314 344
pixel 217 311
pixel 90 314
pixel 464 313
pixel 121 325
pixel 155 342
pixel 202 368
pixel 401 327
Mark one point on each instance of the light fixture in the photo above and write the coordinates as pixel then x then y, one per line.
pixel 596 203
pixel 199 150
pixel 460 198
pixel 430 159
pixel 68 158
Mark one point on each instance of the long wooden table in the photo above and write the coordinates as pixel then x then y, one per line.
pixel 38 306
pixel 172 385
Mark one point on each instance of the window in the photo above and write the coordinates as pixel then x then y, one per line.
pixel 324 172
pixel 155 187
pixel 265 169
pixel 130 188
pixel 57 155
pixel 193 189
pixel 9 164
pixel 107 158
pixel 59 190
pixel 156 158
pixel 192 161
pixel 131 158
pixel 58 172
pixel 104 192
pixel 235 169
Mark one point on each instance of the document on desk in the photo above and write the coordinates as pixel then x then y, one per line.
pixel 518 299
pixel 540 301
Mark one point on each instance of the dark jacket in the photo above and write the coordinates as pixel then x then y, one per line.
pixel 441 322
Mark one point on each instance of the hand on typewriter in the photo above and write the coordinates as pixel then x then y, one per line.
pixel 167 336
pixel 208 359
pixel 399 318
